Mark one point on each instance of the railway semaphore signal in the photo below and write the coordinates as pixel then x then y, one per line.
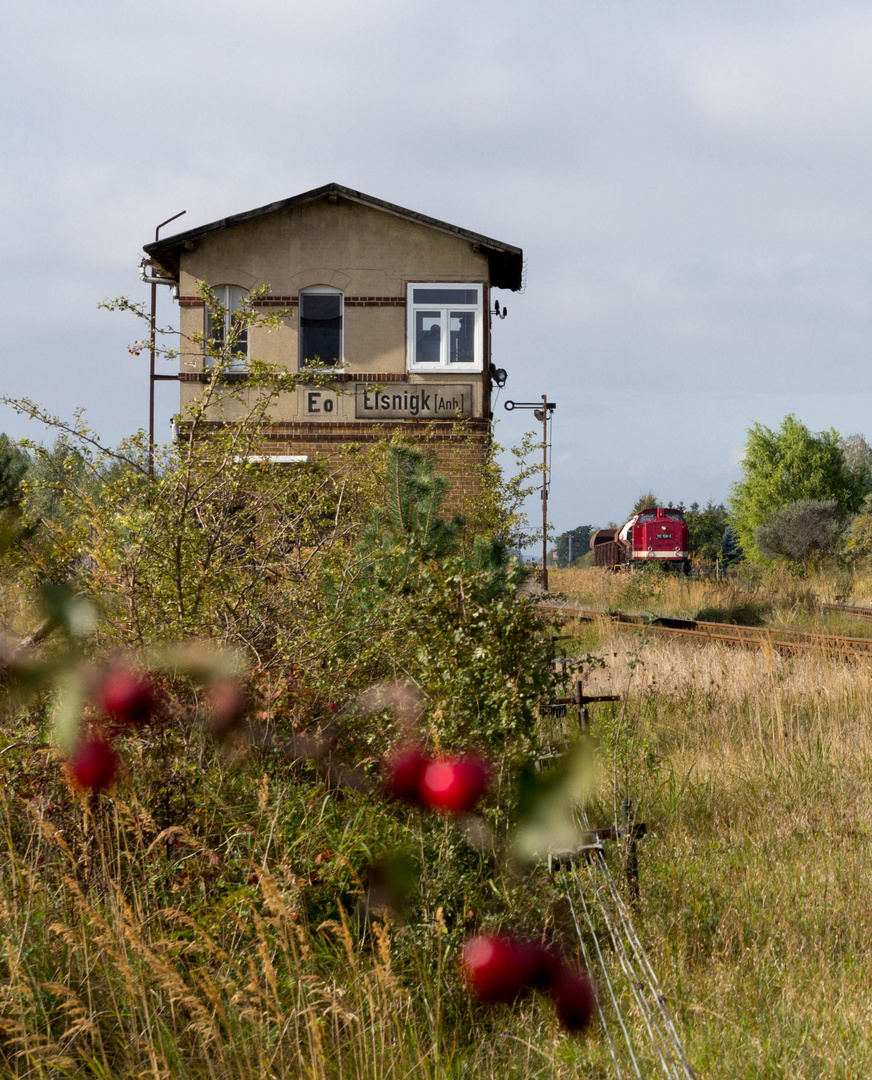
pixel 542 412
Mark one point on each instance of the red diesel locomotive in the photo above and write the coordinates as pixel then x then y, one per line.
pixel 657 535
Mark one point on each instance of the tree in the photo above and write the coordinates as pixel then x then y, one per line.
pixel 410 599
pixel 14 463
pixel 574 543
pixel 645 500
pixel 858 457
pixel 731 549
pixel 705 528
pixel 801 532
pixel 787 466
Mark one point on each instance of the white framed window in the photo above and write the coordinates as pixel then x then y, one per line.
pixel 321 327
pixel 224 327
pixel 445 330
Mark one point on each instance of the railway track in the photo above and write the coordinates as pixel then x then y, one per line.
pixel 746 637
pixel 846 609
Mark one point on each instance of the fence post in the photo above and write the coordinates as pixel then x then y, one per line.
pixel 583 719
pixel 632 863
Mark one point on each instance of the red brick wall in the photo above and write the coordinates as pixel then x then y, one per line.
pixel 460 449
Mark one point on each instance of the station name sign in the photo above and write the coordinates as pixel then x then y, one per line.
pixel 430 402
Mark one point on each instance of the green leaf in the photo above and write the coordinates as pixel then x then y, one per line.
pixel 67 711
pixel 545 816
pixel 75 614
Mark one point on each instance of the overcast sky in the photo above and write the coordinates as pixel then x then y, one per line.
pixel 689 180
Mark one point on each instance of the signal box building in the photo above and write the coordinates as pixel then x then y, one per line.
pixel 393 304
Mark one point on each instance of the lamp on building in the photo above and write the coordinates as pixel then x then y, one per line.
pixel 498 376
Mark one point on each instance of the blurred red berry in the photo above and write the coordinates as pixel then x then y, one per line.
pixel 333 707
pixel 496 968
pixel 573 997
pixel 126 697
pixel 543 966
pixel 93 764
pixel 228 703
pixel 403 774
pixel 454 784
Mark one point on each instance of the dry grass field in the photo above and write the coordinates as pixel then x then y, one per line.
pixel 753 772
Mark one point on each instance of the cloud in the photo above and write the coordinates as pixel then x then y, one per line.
pixel 689 182
pixel 795 84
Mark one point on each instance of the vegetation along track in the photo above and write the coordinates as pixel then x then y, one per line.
pixel 747 637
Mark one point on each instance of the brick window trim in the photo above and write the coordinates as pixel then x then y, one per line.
pixel 374 378
pixel 294 301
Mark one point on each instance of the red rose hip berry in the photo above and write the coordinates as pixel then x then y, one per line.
pixel 403 774
pixel 573 998
pixel 127 698
pixel 496 968
pixel 93 764
pixel 543 966
pixel 454 785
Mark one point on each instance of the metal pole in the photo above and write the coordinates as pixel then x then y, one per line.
pixel 544 491
pixel 151 351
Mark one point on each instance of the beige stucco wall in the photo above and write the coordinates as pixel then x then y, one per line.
pixel 363 251
pixel 372 252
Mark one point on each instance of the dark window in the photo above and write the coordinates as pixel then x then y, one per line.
pixel 320 329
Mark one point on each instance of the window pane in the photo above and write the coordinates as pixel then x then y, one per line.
pixel 215 327
pixel 321 345
pixel 445 296
pixel 240 345
pixel 320 307
pixel 428 337
pixel 320 328
pixel 462 345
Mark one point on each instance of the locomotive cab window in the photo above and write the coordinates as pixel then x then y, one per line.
pixel 445 324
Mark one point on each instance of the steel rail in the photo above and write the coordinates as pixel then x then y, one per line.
pixel 848 609
pixel 727 633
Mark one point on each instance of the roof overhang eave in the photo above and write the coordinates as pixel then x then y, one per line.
pixel 504 260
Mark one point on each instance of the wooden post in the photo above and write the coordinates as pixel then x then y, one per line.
pixel 632 861
pixel 583 719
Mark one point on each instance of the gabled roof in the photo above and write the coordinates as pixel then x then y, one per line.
pixel 506 261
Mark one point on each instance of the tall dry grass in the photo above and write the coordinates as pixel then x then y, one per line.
pixel 131 951
pixel 101 982
pixel 753 773
pixel 775 598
